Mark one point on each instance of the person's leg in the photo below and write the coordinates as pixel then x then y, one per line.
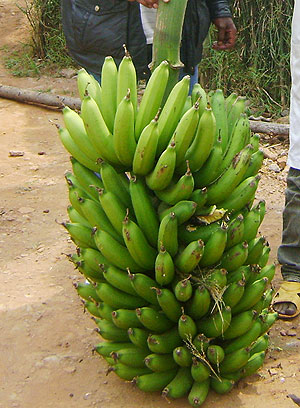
pixel 194 77
pixel 289 250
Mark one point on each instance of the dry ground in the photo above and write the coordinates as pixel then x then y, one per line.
pixel 45 338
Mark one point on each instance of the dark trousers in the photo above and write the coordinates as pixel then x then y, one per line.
pixel 289 250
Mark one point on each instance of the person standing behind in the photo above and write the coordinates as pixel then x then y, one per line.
pixel 95 29
pixel 287 299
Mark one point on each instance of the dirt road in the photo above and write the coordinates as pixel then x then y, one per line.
pixel 46 340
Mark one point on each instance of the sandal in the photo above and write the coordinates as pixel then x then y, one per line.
pixel 289 292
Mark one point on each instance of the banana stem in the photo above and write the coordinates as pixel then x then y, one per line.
pixel 167 37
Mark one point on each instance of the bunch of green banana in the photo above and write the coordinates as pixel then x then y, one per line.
pixel 175 271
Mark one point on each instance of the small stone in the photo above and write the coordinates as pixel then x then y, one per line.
pixel 41 153
pixel 87 395
pixel 274 167
pixel 26 210
pixel 15 153
pixel 282 162
pixel 70 370
pixel 46 211
pixel 68 73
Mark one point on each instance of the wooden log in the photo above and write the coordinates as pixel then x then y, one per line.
pixel 38 98
pixel 58 101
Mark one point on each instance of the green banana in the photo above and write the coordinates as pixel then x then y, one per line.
pixel 75 126
pixel 167 234
pixel 144 287
pixel 75 151
pixel 210 169
pixel 199 95
pixel 86 84
pixel 161 176
pixel 187 260
pixel 200 371
pixel 253 364
pixel 198 305
pixel 93 258
pixel 127 80
pixel 234 361
pixel 92 308
pixel 221 385
pixel 216 279
pixel 267 321
pixel 187 328
pixel 124 319
pixel 177 191
pixel 200 197
pixel 214 247
pixel 237 108
pixel 170 114
pixel 262 209
pixel 241 195
pixel 118 299
pixel 145 152
pixel 198 393
pixel 189 233
pixel 144 210
pixel 261 344
pixel 244 340
pixel 254 140
pixel 183 290
pixel 138 337
pixel 152 97
pixel 201 343
pixel 203 142
pixel 215 354
pixel 155 381
pixel 105 311
pixel 185 132
pixel 229 101
pixel 235 232
pixel 187 105
pixel 182 356
pixel 109 79
pixel 169 304
pixel 239 139
pixel 251 224
pixel 128 373
pixel 216 324
pixel 86 178
pixel 106 347
pixel 243 273
pixel 97 217
pixel 87 291
pixel 267 271
pixel 253 292
pixel 183 210
pixel 263 260
pixel 131 357
pixel 109 331
pixel 233 293
pixel 218 106
pixel 123 136
pixel 164 343
pixel 153 320
pixel 117 254
pixel 255 164
pixel 240 324
pixel 230 178
pixel 164 267
pixel 137 245
pixel 234 257
pixel 160 362
pixel 76 217
pixel 80 234
pixel 114 183
pixel 255 249
pixel 97 130
pixel 119 279
pixel 89 273
pixel 180 385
